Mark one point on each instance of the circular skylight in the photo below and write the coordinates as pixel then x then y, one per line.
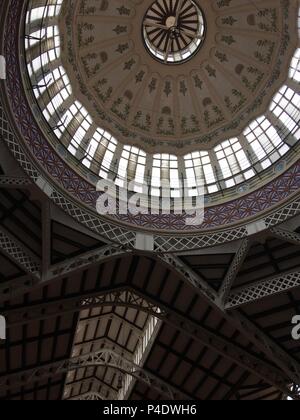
pixel 173 31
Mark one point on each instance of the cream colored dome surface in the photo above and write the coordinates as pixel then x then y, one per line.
pixel 229 77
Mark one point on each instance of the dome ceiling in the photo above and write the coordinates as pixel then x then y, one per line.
pixel 175 75
pixel 42 122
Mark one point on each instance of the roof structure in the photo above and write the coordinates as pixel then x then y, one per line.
pixel 142 306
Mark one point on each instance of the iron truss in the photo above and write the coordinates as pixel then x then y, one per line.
pixel 231 351
pixel 263 289
pixel 93 384
pixel 104 357
pixel 89 396
pixel 286 235
pixel 234 269
pixel 119 297
pixel 24 284
pixel 128 298
pixel 176 265
pixel 138 300
pixel 281 358
pixel 16 251
pixel 269 347
pixel 15 182
pixel 85 260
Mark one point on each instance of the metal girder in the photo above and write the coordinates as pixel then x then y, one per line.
pixel 139 300
pixel 272 350
pixel 18 254
pixel 291 224
pixel 263 289
pixel 18 286
pixel 286 235
pixel 94 384
pixel 223 249
pixel 128 298
pixel 89 396
pixel 191 277
pixel 234 269
pixel 85 261
pixel 281 358
pixel 103 342
pixel 119 297
pixel 69 267
pixel 59 216
pixel 229 350
pixel 104 357
pixel 15 182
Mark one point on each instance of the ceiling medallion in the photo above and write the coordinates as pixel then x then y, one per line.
pixel 174 31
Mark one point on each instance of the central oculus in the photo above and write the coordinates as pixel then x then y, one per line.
pixel 174 30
